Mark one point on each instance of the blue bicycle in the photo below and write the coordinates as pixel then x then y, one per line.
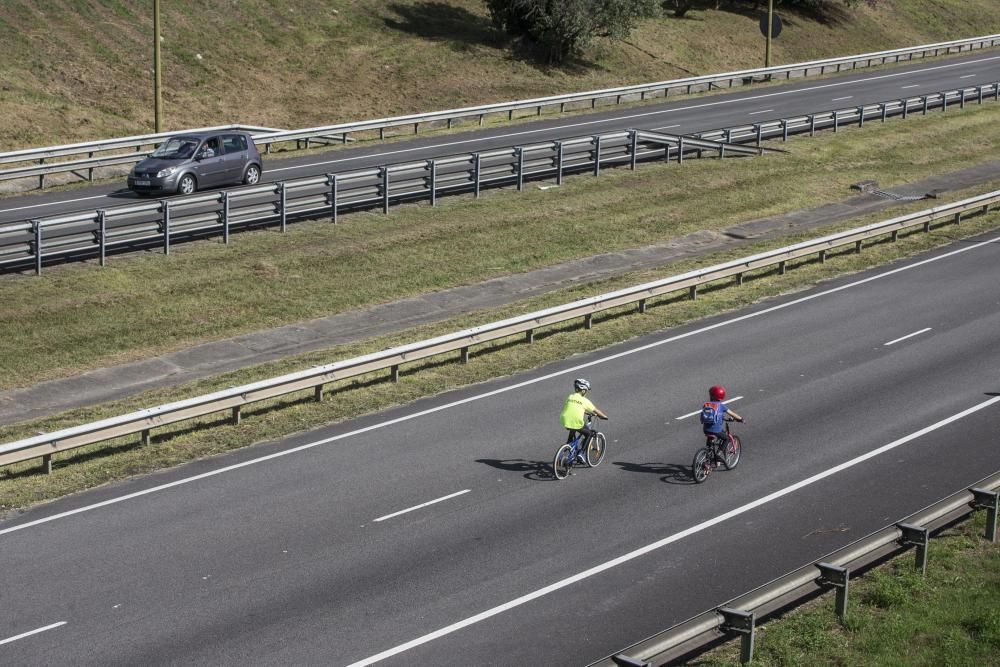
pixel 566 456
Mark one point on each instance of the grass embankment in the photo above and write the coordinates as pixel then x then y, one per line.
pixel 77 70
pixel 895 616
pixel 150 302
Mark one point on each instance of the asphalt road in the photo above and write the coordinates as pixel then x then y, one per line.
pixel 328 548
pixel 680 116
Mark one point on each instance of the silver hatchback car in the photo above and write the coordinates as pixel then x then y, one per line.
pixel 189 162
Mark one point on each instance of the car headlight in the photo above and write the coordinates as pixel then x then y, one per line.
pixel 163 173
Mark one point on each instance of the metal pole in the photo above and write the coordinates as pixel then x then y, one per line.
pixel 520 168
pixel 225 218
pixel 770 22
pixel 476 167
pixel 559 163
pixel 284 205
pixel 433 167
pixel 332 179
pixel 166 228
pixel 385 190
pixel 102 232
pixel 38 246
pixel 597 155
pixel 157 103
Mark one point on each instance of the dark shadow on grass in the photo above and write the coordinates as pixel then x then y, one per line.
pixel 441 21
pixel 534 470
pixel 672 473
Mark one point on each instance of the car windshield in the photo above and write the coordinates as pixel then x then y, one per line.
pixel 177 148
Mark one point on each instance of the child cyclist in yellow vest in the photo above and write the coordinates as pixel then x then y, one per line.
pixel 574 413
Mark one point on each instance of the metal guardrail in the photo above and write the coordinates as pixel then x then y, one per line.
pixel 738 617
pixel 342 132
pixel 95 232
pixel 234 399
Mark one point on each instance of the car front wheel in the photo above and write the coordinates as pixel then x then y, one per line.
pixel 252 175
pixel 187 185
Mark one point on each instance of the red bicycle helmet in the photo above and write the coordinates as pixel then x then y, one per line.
pixel 717 392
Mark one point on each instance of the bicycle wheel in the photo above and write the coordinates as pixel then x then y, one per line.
pixel 731 457
pixel 702 465
pixel 562 462
pixel 596 450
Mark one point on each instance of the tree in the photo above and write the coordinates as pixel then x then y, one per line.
pixel 565 27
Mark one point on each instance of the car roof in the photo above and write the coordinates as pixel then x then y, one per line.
pixel 198 136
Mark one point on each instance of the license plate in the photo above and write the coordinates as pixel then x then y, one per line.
pixel 142 183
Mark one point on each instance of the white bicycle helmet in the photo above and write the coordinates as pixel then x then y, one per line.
pixel 581 383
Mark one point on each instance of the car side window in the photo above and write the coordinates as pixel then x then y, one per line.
pixel 232 143
pixel 212 147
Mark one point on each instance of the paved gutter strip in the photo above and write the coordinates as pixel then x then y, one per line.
pixel 116 382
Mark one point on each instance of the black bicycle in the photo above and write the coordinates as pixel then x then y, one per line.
pixel 566 456
pixel 720 449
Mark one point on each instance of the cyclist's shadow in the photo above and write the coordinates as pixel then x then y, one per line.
pixel 673 473
pixel 531 469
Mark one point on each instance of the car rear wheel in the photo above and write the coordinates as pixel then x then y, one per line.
pixel 187 185
pixel 252 175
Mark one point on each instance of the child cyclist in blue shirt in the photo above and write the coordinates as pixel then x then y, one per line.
pixel 715 413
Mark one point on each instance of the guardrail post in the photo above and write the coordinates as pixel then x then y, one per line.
pixel 729 135
pixel 166 227
pixel 225 218
pixel 588 321
pixel 41 177
pixel 958 218
pixel 895 235
pixel 861 116
pixel 760 132
pixel 642 306
pixel 743 623
pixel 145 438
pixel 680 150
pixel 739 279
pixel 781 267
pixel 559 163
pixel 857 247
pixel 979 91
pixel 37 229
pixel 983 499
pixel 961 102
pixel 926 104
pixel 597 155
pixel 784 130
pixel 822 256
pixel 416 128
pixel 47 464
pixel 318 393
pixel 476 167
pixel 464 356
pixel 283 205
pixel 633 138
pixel 693 292
pixel 812 125
pixel 996 92
pixel 331 180
pixel 885 110
pixel 481 119
pixel 915 536
pixel 944 102
pixel 394 373
pixel 385 189
pixel 237 415
pixel 836 121
pixel 102 232
pixel 839 578
pixel 529 336
pixel 432 177
pixel 519 154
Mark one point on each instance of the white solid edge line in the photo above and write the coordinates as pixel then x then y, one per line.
pixel 665 127
pixel 624 558
pixel 642 115
pixel 416 507
pixel 837 99
pixel 698 412
pixel 494 392
pixel 31 632
pixel 915 333
pixel 967 76
pixel 757 112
